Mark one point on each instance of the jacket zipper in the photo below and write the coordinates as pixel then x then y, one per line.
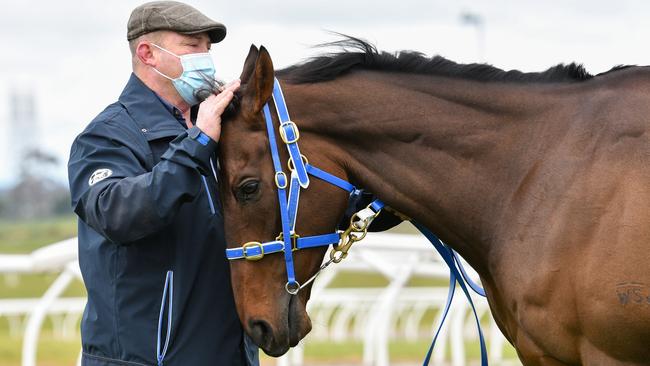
pixel 168 295
pixel 207 190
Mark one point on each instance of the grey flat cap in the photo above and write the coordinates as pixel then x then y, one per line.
pixel 172 16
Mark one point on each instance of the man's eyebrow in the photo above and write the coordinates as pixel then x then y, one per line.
pixel 199 38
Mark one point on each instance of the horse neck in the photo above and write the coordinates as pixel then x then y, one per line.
pixel 448 153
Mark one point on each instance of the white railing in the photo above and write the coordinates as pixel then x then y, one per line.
pixel 60 258
pixel 371 316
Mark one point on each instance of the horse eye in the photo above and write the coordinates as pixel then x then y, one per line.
pixel 248 190
pixel 250 187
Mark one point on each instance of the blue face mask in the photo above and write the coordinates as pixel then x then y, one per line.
pixel 198 70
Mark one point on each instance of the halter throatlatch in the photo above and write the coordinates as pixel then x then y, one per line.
pixel 289 241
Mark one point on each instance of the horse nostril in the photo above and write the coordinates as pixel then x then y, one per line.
pixel 261 332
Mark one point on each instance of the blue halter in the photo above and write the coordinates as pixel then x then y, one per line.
pixel 288 241
pixel 300 172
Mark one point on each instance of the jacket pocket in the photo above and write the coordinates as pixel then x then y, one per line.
pixel 166 310
pixel 207 190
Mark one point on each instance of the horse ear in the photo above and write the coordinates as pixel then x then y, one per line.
pixel 262 83
pixel 249 64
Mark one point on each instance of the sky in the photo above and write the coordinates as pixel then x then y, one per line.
pixel 72 55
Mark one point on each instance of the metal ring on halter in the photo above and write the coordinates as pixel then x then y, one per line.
pixel 359 224
pixel 337 256
pixel 290 162
pixel 294 240
pixel 277 181
pixel 292 287
pixel 358 235
pixel 283 134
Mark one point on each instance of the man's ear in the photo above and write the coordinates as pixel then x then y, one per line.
pixel 144 53
pixel 249 64
pixel 261 86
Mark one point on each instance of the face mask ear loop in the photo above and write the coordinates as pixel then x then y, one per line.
pixel 161 74
pixel 166 50
pixel 171 53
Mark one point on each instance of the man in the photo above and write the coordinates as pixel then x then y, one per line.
pixel 143 183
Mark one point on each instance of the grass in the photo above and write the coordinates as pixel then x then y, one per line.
pixel 26 236
pixel 400 351
pixel 53 351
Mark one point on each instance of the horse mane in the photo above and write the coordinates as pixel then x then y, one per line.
pixel 358 54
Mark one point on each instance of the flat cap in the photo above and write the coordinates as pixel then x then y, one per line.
pixel 173 16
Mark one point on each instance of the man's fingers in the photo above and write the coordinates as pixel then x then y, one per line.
pixel 226 94
pixel 209 99
pixel 221 104
pixel 221 101
pixel 232 85
pixel 214 98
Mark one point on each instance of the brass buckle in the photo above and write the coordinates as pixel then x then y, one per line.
pixel 252 244
pixel 294 240
pixel 291 165
pixel 283 135
pixel 277 182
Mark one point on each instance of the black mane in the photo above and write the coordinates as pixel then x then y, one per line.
pixel 359 54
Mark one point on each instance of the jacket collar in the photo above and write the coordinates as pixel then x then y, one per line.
pixel 147 109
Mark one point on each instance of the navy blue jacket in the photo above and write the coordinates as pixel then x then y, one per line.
pixel 151 241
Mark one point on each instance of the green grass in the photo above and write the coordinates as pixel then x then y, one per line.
pixel 26 236
pixel 52 351
pixel 34 285
pixel 400 351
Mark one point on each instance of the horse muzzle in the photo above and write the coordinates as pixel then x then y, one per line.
pixel 276 337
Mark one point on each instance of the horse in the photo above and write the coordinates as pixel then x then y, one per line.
pixel 540 181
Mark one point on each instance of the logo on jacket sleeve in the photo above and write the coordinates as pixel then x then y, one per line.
pixel 99 175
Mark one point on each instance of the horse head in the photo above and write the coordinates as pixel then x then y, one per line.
pixel 275 319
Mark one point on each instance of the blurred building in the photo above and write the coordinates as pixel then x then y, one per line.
pixel 22 129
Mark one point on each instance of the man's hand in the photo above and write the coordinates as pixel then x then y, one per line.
pixel 210 110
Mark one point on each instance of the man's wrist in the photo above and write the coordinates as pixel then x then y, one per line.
pixel 195 133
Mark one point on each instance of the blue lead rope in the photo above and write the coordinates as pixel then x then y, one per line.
pixel 453 262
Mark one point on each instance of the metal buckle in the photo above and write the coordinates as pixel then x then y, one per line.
pixel 252 244
pixel 283 134
pixel 294 240
pixel 277 182
pixel 291 165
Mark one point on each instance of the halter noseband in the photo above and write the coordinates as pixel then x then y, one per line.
pixel 288 241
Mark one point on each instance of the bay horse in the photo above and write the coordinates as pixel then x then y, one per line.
pixel 541 181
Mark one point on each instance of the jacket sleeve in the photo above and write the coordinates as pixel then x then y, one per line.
pixel 112 191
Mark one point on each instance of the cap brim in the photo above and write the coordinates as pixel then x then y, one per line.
pixel 216 32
